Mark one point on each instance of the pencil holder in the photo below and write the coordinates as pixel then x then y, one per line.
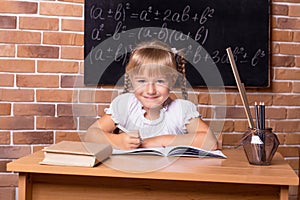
pixel 260 146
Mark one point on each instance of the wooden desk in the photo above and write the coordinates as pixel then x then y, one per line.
pixel 183 178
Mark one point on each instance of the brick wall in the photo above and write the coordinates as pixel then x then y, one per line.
pixel 41 59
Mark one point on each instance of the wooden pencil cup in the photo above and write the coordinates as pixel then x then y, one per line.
pixel 260 146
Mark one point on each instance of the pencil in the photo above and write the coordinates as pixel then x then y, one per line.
pixel 256 115
pixel 262 115
pixel 122 128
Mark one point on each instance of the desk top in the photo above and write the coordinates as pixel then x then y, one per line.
pixel 234 169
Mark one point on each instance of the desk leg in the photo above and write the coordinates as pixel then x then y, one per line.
pixel 25 186
pixel 284 192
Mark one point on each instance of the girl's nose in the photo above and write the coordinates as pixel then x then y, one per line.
pixel 151 89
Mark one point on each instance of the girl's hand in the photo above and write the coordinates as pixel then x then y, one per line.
pixel 130 140
pixel 158 141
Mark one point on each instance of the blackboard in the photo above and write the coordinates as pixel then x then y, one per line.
pixel 202 28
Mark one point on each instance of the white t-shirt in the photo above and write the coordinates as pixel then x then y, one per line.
pixel 127 111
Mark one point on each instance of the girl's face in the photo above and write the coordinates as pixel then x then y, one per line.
pixel 152 92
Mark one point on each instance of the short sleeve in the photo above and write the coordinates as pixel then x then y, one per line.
pixel 118 109
pixel 189 111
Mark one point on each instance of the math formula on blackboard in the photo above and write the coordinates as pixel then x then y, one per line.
pixel 202 29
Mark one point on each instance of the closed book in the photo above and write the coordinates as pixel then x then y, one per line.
pixel 70 153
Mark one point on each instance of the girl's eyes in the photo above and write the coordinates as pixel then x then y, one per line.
pixel 157 81
pixel 161 81
pixel 141 81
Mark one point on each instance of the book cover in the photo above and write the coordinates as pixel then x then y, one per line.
pixel 70 153
pixel 172 151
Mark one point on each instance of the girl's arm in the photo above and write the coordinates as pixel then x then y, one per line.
pixel 199 135
pixel 102 132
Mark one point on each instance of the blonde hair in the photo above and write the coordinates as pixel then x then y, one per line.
pixel 155 57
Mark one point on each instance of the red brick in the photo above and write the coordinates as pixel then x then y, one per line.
pixel 102 107
pixel 287 151
pixel 275 48
pixel 20 7
pixel 81 67
pixel 8 22
pixel 7 193
pixel 38 148
pixel 75 1
pixel 6 80
pixel 4 137
pixel 74 53
pixel 89 96
pixel 288 23
pixel 241 125
pixel 16 123
pixel 3 164
pixel 280 35
pixel 39 23
pixel 294 11
pixel 85 123
pixel 293 113
pixel 20 37
pixel 220 125
pixel 290 49
pixel 34 109
pixel 72 25
pixel 252 98
pixel 296 87
pixel 76 110
pixel 286 100
pixel 14 152
pixel 68 136
pixel 296 36
pixel 33 137
pixel 56 123
pixel 5 108
pixel 45 81
pixel 273 22
pixel 23 66
pixel 231 139
pixel 281 87
pixel 54 95
pixel 275 113
pixel 16 95
pixel 7 50
pixel 57 66
pixel 59 9
pixel 281 137
pixel 294 163
pixel 229 112
pixel 283 61
pixel 292 138
pixel 38 51
pixel 286 126
pixel 8 180
pixel 63 39
pixel 287 74
pixel 297 62
pixel 72 82
pixel 279 9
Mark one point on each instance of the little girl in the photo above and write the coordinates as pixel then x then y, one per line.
pixel 153 118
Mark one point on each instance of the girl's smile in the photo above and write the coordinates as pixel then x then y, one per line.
pixel 151 92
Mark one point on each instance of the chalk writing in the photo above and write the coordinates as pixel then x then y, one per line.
pixel 214 25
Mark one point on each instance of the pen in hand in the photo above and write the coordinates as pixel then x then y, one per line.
pixel 122 128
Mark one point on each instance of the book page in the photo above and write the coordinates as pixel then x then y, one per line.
pixel 141 151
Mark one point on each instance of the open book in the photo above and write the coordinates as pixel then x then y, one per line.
pixel 172 151
pixel 69 153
